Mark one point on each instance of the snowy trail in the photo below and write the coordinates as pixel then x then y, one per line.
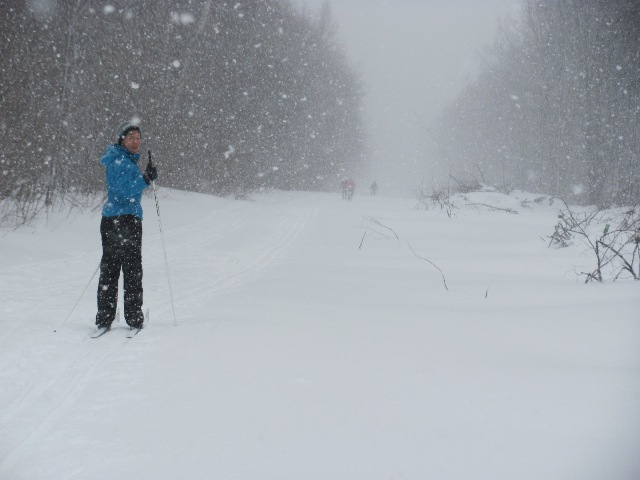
pixel 300 355
pixel 33 413
pixel 246 239
pixel 211 255
pixel 237 253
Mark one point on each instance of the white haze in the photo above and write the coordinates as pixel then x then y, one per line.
pixel 414 56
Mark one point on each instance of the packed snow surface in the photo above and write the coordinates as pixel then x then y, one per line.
pixel 320 339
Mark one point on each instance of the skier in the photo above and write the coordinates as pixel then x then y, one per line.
pixel 351 187
pixel 121 228
pixel 374 188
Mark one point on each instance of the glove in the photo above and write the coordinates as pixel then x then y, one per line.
pixel 150 173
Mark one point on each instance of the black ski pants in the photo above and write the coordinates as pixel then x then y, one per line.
pixel 121 250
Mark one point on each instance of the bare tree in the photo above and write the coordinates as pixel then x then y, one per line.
pixel 555 108
pixel 231 96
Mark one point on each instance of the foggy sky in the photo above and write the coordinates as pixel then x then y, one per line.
pixel 414 57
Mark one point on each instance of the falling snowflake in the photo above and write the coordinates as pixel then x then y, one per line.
pixel 230 151
pixel 182 18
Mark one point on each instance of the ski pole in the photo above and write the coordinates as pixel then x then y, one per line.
pixel 164 247
pixel 80 298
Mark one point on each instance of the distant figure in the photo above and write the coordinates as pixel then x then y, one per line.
pixel 374 188
pixel 351 186
pixel 347 186
pixel 344 186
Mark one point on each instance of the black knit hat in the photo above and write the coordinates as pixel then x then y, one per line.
pixel 125 128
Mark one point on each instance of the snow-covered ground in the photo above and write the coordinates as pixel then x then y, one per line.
pixel 303 351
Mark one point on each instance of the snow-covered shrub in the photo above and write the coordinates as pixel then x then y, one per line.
pixel 611 236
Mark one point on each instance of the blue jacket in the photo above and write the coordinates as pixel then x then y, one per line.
pixel 125 182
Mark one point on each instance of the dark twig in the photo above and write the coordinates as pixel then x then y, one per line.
pixel 508 210
pixel 444 280
pixel 362 241
pixel 375 221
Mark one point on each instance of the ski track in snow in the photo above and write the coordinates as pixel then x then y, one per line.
pixel 31 414
pixel 233 255
pixel 39 384
pixel 384 364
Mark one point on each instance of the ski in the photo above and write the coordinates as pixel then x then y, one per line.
pixel 100 331
pixel 133 332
